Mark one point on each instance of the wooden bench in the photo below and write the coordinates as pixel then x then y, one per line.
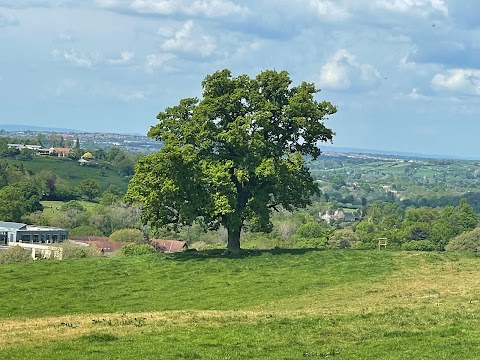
pixel 382 242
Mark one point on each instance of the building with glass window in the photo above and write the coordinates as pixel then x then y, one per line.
pixel 12 233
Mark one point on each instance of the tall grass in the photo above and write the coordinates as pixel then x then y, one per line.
pixel 265 305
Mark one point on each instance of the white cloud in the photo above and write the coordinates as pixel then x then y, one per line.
pixel 462 81
pixel 155 61
pixel 417 96
pixel 75 58
pixel 126 58
pixel 329 10
pixel 421 7
pixel 343 72
pixel 206 8
pixel 191 41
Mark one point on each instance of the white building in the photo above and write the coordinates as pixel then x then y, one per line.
pixel 12 233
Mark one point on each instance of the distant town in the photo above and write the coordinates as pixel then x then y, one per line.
pixel 127 142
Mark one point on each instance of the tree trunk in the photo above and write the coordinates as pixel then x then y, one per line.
pixel 233 245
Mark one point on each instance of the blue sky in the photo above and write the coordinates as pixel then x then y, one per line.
pixel 405 74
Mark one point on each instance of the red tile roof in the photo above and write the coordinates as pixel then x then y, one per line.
pixel 169 246
pixel 99 243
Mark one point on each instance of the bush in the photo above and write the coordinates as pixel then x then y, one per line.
pixel 419 245
pixel 343 239
pixel 72 205
pixel 14 254
pixel 128 235
pixel 467 242
pixel 314 229
pixel 85 230
pixel 72 251
pixel 133 249
pixel 311 243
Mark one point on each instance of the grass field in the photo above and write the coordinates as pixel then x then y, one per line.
pixel 282 304
pixel 72 173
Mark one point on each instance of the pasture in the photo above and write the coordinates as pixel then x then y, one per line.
pixel 278 304
pixel 71 173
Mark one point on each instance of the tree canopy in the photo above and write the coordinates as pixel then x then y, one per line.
pixel 233 156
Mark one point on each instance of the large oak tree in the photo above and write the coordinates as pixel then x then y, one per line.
pixel 233 156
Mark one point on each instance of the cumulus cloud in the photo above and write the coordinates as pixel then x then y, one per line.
pixel 125 58
pixel 191 41
pixel 342 71
pixel 205 8
pixel 461 81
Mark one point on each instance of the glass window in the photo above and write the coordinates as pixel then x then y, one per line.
pixel 26 238
pixel 36 238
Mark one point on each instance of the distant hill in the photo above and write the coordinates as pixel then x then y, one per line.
pixel 11 127
pixel 335 149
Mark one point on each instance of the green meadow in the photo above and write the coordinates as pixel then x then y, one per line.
pixel 71 173
pixel 278 304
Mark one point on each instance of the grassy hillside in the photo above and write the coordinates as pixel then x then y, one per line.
pixel 265 305
pixel 72 173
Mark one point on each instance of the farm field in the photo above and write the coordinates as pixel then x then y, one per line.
pixel 278 304
pixel 72 173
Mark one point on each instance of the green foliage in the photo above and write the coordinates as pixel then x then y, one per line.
pixel 89 189
pixel 233 156
pixel 429 228
pixel 466 242
pixel 85 230
pixel 69 174
pixel 111 196
pixel 25 155
pixel 128 235
pixel 314 229
pixel 109 219
pixel 14 254
pixel 343 238
pixel 72 205
pixel 419 245
pixel 18 200
pixel 72 251
pixel 134 249
pixel 311 243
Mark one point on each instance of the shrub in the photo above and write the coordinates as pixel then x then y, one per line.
pixel 467 242
pixel 72 251
pixel 85 230
pixel 128 235
pixel 133 249
pixel 314 229
pixel 343 239
pixel 311 243
pixel 14 254
pixel 72 205
pixel 419 245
